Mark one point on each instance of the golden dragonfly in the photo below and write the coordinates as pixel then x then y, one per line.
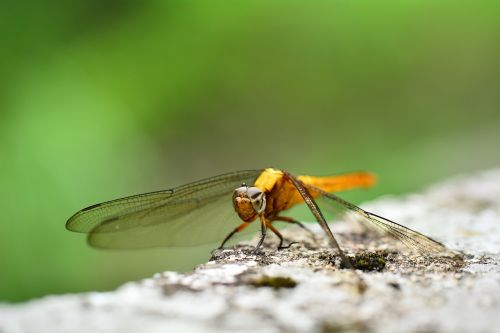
pixel 201 212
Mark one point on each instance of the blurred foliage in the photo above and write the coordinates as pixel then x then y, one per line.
pixel 101 99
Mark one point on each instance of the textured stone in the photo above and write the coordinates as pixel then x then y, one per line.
pixel 303 289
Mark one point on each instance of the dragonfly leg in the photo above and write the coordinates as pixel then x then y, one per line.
pixel 293 221
pixel 232 233
pixel 263 224
pixel 280 236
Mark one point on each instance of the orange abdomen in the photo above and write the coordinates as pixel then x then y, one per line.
pixel 340 182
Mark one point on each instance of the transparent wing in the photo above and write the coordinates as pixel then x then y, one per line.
pixel 192 214
pixel 411 238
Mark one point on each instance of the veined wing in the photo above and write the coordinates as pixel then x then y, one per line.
pixel 192 214
pixel 411 238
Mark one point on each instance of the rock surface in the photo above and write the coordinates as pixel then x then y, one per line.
pixel 302 289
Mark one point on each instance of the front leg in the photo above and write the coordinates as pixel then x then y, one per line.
pixel 263 225
pixel 232 233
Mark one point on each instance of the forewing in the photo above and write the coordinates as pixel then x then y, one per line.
pixel 192 214
pixel 411 238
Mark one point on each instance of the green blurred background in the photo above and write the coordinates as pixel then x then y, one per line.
pixel 101 99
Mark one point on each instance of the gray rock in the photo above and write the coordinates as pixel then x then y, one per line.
pixel 303 289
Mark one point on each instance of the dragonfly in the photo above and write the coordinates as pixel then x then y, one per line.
pixel 201 212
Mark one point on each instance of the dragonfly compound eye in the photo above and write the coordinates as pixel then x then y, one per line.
pixel 257 198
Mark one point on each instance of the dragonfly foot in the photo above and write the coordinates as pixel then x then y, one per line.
pixel 215 254
pixel 286 247
pixel 256 250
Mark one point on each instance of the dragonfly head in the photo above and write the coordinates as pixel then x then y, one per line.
pixel 249 202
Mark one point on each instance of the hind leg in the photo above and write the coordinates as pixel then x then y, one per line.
pixel 280 236
pixel 232 233
pixel 292 221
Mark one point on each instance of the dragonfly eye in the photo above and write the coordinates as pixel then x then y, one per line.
pixel 257 198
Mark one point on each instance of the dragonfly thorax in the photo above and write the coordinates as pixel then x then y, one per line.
pixel 249 202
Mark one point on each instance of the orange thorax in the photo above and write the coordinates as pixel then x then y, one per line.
pixel 281 194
